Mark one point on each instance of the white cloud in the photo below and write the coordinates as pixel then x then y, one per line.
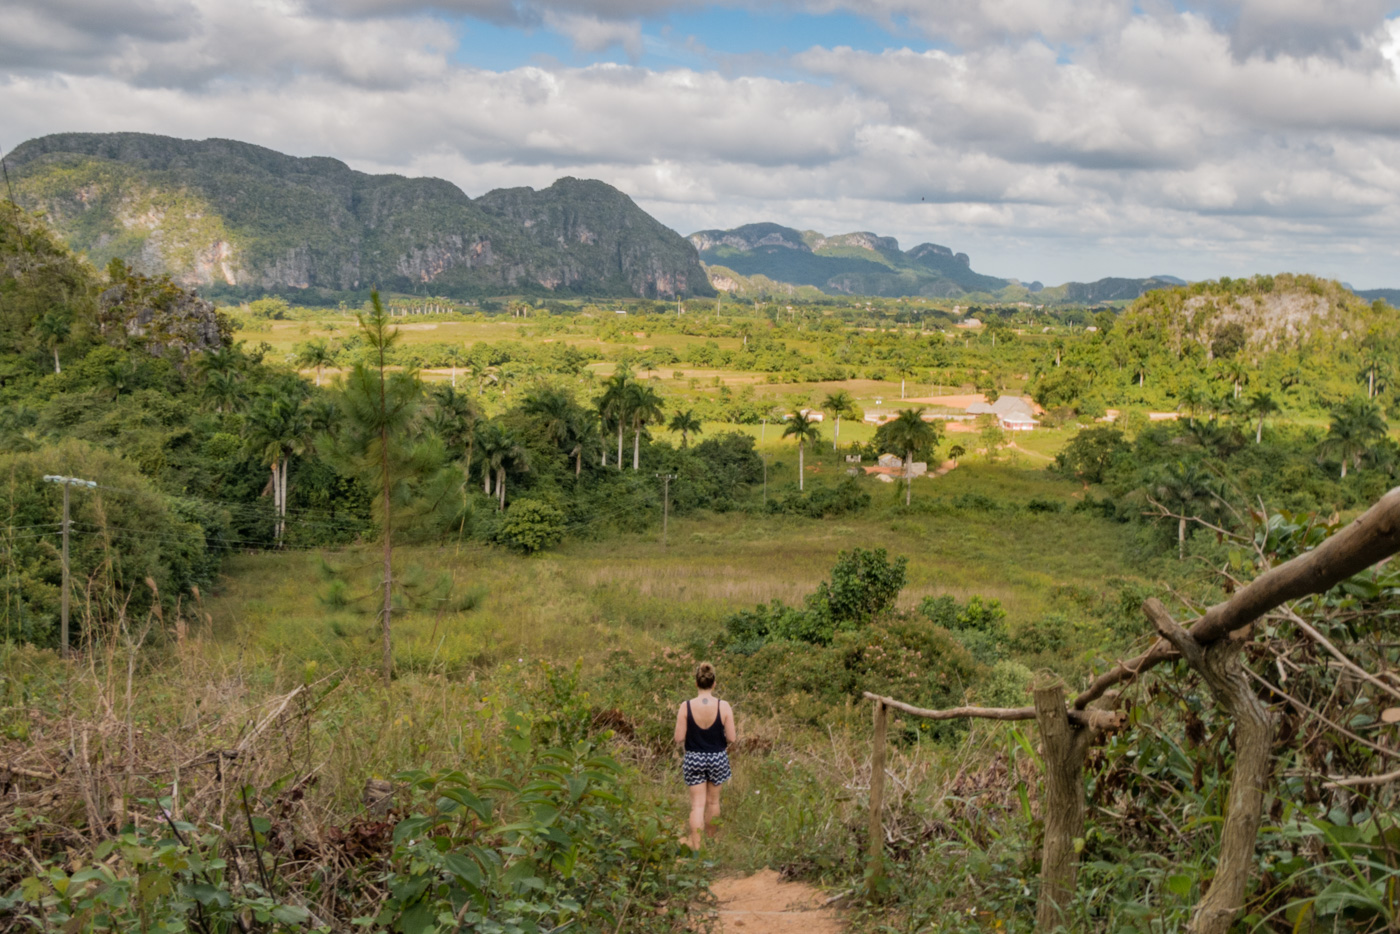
pixel 1057 140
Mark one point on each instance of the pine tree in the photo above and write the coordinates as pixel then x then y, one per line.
pixel 379 439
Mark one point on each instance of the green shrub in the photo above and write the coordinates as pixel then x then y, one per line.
pixel 531 525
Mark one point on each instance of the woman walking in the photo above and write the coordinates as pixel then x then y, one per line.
pixel 705 726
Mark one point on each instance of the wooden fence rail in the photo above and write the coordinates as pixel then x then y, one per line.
pixel 1067 730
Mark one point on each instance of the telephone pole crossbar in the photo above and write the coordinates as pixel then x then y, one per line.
pixel 66 482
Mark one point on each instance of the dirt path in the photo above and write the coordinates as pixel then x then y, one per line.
pixel 764 904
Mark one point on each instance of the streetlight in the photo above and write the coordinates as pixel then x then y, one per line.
pixel 66 482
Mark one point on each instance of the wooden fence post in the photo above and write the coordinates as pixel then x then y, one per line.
pixel 1063 746
pixel 875 857
pixel 1220 667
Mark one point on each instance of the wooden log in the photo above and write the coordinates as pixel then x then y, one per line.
pixel 1100 720
pixel 1220 667
pixel 875 851
pixel 1063 746
pixel 1371 537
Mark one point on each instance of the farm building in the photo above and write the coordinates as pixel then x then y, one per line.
pixel 1013 412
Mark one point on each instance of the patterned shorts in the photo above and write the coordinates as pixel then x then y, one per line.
pixel 700 767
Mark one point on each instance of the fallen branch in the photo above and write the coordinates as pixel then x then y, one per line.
pixel 1095 719
pixel 10 769
pixel 1362 780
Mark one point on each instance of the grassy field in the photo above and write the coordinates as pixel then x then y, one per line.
pixel 589 597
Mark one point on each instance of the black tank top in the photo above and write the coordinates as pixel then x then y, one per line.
pixel 706 739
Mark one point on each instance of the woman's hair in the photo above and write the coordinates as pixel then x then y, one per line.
pixel 704 675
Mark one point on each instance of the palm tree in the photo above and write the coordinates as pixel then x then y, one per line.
pixel 907 435
pixel 455 357
pixel 1186 492
pixel 1236 373
pixel 315 355
pixel 644 406
pixel 224 388
pixel 1261 404
pixel 613 405
pixel 53 328
pixel 500 451
pixel 838 403
pixel 1357 425
pixel 905 369
pixel 955 452
pixel 687 424
pixel 802 428
pixel 562 420
pixel 1194 400
pixel 1375 369
pixel 279 427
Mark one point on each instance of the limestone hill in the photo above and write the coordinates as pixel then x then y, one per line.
pixel 234 218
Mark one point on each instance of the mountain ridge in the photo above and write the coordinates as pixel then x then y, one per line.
pixel 234 217
pixel 863 262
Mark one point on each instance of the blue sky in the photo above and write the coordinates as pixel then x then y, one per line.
pixel 704 38
pixel 1049 139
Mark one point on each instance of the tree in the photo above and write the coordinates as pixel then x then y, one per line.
pixel 1184 491
pixel 955 452
pixel 454 419
pixel 644 407
pixel 1194 400
pixel 375 439
pixel 562 420
pixel 280 426
pixel 686 423
pixel 223 378
pixel 905 369
pixel 1236 373
pixel 907 435
pixel 1357 425
pixel 614 405
pixel 315 355
pixel 839 404
pixel 1261 404
pixel 53 329
pixel 801 427
pixel 501 451
pixel 1375 367
pixel 455 357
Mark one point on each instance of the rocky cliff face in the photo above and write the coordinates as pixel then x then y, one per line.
pixel 237 218
pixel 859 263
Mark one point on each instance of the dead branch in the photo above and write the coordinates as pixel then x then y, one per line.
pixel 1371 537
pixel 1362 780
pixel 1094 719
pixel 1336 653
pixel 1304 708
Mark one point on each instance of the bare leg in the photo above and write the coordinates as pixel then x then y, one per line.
pixel 697 814
pixel 711 808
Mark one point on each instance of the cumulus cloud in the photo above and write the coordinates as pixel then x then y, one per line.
pixel 1050 140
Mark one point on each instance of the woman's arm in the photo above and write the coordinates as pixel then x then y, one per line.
pixel 680 724
pixel 731 731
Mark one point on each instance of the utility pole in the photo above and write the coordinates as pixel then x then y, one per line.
pixel 666 479
pixel 63 623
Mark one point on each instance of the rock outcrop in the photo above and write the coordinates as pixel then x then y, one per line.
pixel 233 218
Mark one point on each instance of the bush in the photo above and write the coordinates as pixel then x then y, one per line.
pixel 531 525
pixel 864 585
pixel 1006 685
pixel 824 502
pixel 1092 453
